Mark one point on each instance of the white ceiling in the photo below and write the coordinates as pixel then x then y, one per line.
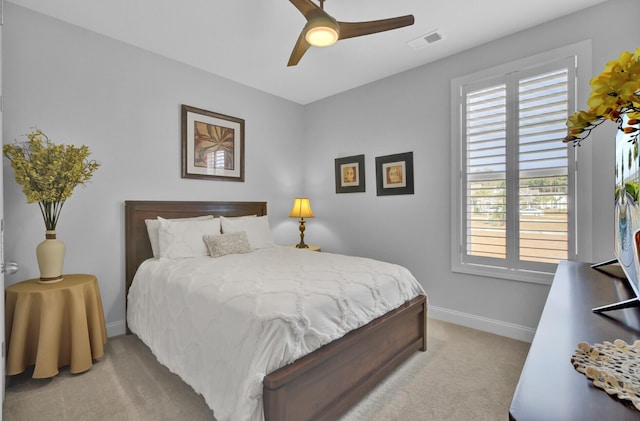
pixel 249 41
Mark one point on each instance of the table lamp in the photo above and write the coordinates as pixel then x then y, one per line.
pixel 301 209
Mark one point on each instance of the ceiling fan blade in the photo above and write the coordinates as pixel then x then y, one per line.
pixel 300 48
pixel 306 7
pixel 356 29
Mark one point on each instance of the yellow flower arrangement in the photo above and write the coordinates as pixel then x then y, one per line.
pixel 615 93
pixel 48 173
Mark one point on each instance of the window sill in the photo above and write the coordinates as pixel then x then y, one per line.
pixel 519 275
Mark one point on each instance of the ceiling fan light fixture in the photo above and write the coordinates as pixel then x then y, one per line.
pixel 321 36
pixel 323 30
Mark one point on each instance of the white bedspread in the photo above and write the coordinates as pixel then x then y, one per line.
pixel 222 324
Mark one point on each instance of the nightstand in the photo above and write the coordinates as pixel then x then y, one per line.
pixel 311 248
pixel 54 325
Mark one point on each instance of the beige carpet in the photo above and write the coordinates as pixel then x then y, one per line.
pixel 465 375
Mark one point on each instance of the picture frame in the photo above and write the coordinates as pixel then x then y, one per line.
pixel 350 174
pixel 394 174
pixel 212 145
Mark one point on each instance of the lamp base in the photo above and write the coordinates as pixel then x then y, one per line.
pixel 301 244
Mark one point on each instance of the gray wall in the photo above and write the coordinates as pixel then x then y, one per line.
pixel 411 112
pixel 124 104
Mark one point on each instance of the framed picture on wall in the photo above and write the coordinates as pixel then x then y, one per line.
pixel 212 145
pixel 394 174
pixel 350 174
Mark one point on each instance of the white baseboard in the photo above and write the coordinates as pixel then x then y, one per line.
pixel 116 328
pixel 497 327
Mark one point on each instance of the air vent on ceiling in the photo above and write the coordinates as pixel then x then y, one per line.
pixel 425 40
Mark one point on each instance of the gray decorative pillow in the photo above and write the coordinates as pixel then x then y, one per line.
pixel 230 243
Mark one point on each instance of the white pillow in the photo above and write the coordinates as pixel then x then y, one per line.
pixel 229 243
pixel 184 238
pixel 257 230
pixel 153 225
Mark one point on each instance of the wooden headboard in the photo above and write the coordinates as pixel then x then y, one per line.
pixel 137 246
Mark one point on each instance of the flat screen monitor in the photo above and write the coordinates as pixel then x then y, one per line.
pixel 626 216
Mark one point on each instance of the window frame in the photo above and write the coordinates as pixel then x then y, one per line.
pixel 580 54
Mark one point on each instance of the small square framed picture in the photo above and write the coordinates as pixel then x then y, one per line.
pixel 394 174
pixel 350 174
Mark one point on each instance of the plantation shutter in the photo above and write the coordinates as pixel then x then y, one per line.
pixel 515 168
pixel 543 167
pixel 486 171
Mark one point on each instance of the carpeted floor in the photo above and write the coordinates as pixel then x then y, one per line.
pixel 464 375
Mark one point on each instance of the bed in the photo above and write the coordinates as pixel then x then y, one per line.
pixel 326 382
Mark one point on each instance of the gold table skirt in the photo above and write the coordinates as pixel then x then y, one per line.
pixel 54 325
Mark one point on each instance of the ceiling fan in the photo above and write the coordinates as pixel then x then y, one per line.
pixel 323 30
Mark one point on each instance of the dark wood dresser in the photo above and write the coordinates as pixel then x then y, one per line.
pixel 549 387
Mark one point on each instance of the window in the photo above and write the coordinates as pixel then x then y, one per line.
pixel 513 176
pixel 216 160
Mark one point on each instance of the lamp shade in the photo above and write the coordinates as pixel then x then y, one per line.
pixel 301 208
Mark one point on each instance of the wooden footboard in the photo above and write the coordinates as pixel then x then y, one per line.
pixel 327 382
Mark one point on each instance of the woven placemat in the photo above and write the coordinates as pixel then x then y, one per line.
pixel 613 367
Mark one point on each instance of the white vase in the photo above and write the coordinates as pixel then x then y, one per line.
pixel 50 254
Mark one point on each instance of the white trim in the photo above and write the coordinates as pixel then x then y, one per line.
pixel 521 275
pixel 578 49
pixel 485 324
pixel 116 328
pixel 581 51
